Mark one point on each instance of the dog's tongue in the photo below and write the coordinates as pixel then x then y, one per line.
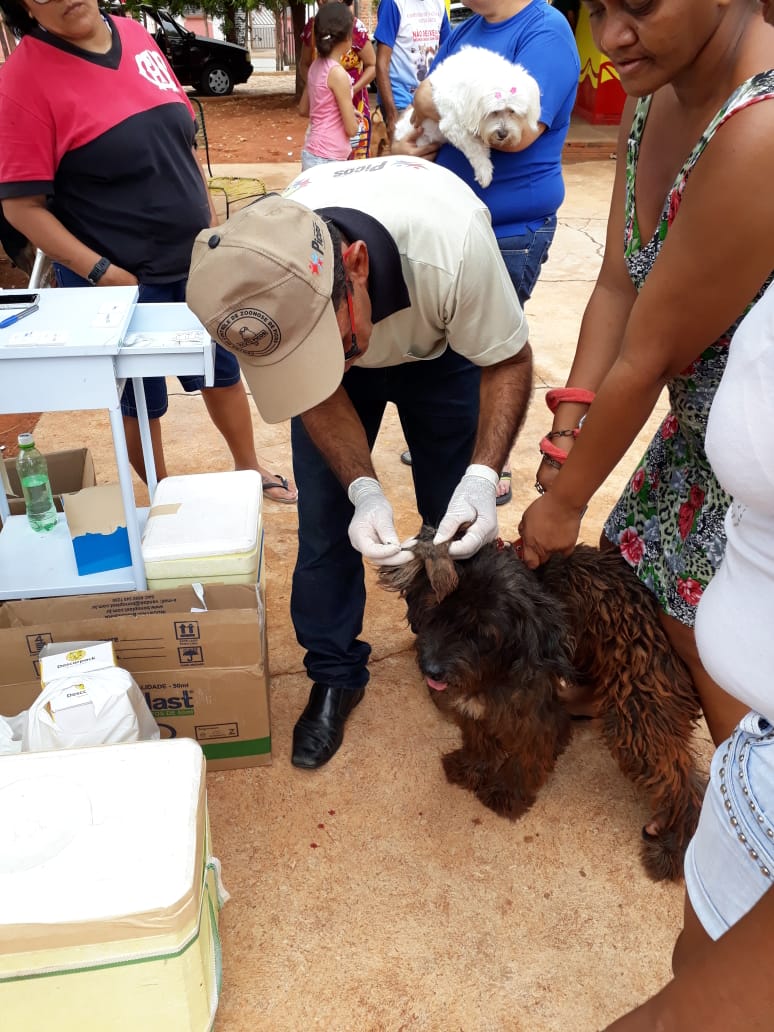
pixel 438 685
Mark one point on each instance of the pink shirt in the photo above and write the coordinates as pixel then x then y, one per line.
pixel 351 62
pixel 327 137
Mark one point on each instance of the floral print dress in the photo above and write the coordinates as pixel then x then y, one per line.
pixel 668 523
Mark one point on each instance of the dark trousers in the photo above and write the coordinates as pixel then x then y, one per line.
pixel 437 403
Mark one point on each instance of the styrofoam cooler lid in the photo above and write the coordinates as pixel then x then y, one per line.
pixel 203 514
pixel 100 844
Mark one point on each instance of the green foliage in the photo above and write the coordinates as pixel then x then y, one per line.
pixel 213 8
pixel 227 10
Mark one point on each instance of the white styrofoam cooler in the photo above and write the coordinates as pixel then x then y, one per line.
pixel 109 895
pixel 204 527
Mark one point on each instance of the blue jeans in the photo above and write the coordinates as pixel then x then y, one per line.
pixel 525 254
pixel 734 842
pixel 227 370
pixel 437 403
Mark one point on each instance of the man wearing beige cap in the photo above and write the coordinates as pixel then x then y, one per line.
pixel 365 283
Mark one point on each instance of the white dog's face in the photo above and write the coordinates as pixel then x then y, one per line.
pixel 501 129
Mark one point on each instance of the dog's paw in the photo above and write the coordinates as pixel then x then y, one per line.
pixel 483 174
pixel 501 798
pixel 460 769
pixel 663 855
pixel 666 836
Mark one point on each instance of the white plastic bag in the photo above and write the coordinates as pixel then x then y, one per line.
pixel 11 732
pixel 99 708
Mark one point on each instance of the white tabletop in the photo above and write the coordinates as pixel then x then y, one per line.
pixel 69 321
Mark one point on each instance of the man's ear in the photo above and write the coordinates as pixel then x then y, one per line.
pixel 356 262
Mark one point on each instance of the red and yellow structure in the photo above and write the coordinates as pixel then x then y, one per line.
pixel 601 97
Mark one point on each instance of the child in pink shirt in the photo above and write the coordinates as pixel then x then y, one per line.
pixel 327 97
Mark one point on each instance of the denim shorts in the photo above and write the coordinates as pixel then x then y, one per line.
pixel 524 256
pixel 729 864
pixel 226 365
pixel 309 160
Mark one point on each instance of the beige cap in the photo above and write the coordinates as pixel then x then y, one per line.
pixel 261 283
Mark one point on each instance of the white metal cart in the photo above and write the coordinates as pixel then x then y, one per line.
pixel 75 353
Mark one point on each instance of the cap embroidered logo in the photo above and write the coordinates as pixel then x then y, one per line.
pixel 250 332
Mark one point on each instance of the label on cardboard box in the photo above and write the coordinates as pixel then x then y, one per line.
pixel 76 661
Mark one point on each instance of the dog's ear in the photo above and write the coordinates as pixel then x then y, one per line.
pixel 439 566
pixel 528 92
pixel 433 560
pixel 441 572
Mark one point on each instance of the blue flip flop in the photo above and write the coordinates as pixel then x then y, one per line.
pixel 269 485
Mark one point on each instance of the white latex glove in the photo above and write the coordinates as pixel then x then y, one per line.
pixel 473 502
pixel 372 530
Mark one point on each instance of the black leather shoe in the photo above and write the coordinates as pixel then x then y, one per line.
pixel 319 730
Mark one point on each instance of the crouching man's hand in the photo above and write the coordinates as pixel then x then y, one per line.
pixel 372 530
pixel 474 503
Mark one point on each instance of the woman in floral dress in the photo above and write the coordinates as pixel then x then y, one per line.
pixel 666 303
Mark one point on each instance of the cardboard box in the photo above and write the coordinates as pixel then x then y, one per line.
pixel 204 675
pixel 97 524
pixel 67 471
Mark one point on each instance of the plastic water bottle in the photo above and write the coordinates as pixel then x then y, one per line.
pixel 36 487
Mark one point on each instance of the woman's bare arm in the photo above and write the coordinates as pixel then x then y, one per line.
pixel 30 215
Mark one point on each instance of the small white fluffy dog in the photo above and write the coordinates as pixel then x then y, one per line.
pixel 482 99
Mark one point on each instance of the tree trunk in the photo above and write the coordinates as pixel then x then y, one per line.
pixel 298 17
pixel 229 23
pixel 279 40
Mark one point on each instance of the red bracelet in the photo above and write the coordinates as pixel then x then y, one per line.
pixel 550 451
pixel 557 395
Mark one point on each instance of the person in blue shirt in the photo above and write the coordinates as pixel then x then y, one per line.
pixel 527 186
pixel 408 33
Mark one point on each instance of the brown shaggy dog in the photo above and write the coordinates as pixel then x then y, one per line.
pixel 501 643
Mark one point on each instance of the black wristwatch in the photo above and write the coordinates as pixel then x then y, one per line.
pixel 98 271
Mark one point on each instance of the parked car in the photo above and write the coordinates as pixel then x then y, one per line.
pixel 458 13
pixel 211 66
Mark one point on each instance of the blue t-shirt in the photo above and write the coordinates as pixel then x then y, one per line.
pixel 527 186
pixel 414 29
